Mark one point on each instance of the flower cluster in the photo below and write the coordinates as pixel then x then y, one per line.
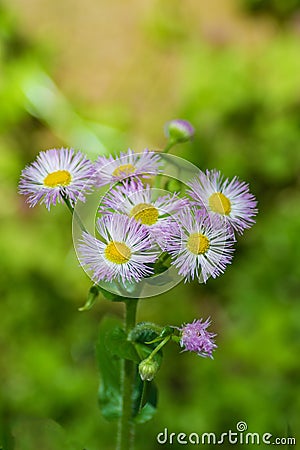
pixel 140 226
pixel 135 223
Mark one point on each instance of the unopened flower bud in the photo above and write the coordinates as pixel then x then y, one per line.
pixel 147 369
pixel 179 130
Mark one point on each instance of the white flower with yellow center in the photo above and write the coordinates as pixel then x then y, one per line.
pixel 128 165
pixel 57 173
pixel 200 247
pixel 141 203
pixel 123 251
pixel 229 200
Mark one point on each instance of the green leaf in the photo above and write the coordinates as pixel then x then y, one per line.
pixel 148 391
pixel 91 299
pixel 146 413
pixel 167 331
pixel 110 400
pixel 112 346
pixel 118 345
pixel 145 332
pixel 144 351
pixel 110 295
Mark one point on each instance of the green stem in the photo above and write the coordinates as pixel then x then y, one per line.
pixel 169 145
pixel 143 395
pixel 73 212
pixel 128 370
pixel 159 346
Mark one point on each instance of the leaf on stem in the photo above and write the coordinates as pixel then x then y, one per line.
pixel 112 346
pixel 110 295
pixel 110 400
pixel 145 332
pixel 91 299
pixel 118 345
pixel 145 400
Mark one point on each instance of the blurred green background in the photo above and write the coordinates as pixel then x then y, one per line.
pixel 103 76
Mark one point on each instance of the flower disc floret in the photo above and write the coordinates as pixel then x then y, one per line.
pixel 124 170
pixel 58 178
pixel 219 203
pixel 145 213
pixel 117 252
pixel 197 243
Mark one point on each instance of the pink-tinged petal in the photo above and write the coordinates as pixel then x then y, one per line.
pixel 128 165
pixel 134 238
pixel 229 200
pixel 75 166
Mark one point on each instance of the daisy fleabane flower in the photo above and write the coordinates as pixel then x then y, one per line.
pixel 230 200
pixel 200 246
pixel 56 173
pixel 141 203
pixel 123 251
pixel 194 337
pixel 110 170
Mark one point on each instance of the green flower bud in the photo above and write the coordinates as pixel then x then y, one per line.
pixel 147 369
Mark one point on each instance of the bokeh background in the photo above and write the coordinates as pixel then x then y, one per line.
pixel 103 76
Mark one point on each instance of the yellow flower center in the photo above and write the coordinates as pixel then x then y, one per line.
pixel 117 252
pixel 125 169
pixel 145 213
pixel 197 243
pixel 58 178
pixel 219 203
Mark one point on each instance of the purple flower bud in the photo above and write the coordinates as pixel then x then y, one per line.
pixel 179 130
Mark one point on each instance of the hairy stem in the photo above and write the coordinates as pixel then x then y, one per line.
pixel 126 425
